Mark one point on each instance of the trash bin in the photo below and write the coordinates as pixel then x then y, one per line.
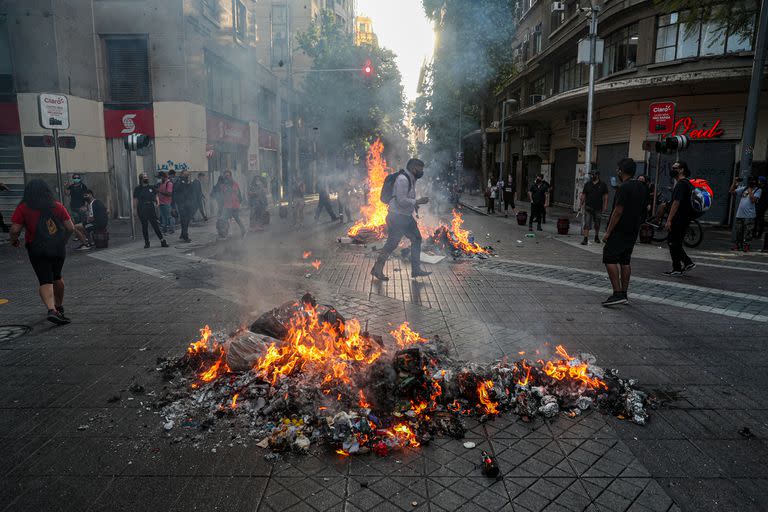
pixel 522 218
pixel 563 225
pixel 101 239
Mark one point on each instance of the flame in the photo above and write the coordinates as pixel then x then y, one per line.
pixel 461 236
pixel 363 401
pixel 525 367
pixel 566 368
pixel 418 408
pixel 202 344
pixel 488 405
pixel 374 213
pixel 316 264
pixel 406 436
pixel 306 254
pixel 342 452
pixel 330 351
pixel 219 368
pixel 234 401
pixel 405 337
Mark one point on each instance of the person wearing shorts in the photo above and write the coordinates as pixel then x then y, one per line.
pixel 38 199
pixel 629 203
pixel 594 200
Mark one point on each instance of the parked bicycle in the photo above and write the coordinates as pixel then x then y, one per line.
pixel 693 236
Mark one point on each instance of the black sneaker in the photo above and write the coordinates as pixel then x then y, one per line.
pixel 56 318
pixel 538 228
pixel 597 239
pixel 60 309
pixel 689 267
pixel 585 241
pixel 163 243
pixel 615 300
pixel 673 273
pixel 420 273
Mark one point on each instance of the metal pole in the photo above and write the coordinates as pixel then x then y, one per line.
pixel 753 100
pixel 502 155
pixel 130 192
pixel 58 165
pixel 591 93
pixel 656 187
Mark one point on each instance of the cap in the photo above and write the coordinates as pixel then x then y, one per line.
pixel 762 179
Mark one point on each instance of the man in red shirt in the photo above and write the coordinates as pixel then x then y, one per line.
pixel 46 250
pixel 165 198
pixel 231 197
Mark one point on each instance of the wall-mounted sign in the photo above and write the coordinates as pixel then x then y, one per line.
pixel 118 123
pixel 267 139
pixel 54 111
pixel 224 129
pixel 686 126
pixel 661 117
pixel 46 141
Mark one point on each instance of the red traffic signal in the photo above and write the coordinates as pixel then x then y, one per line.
pixel 368 68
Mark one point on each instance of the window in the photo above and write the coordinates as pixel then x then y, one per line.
pixel 280 50
pixel 620 50
pixel 677 40
pixel 266 107
pixel 569 76
pixel 559 17
pixel 538 89
pixel 128 70
pixel 536 40
pixel 241 21
pixel 210 9
pixel 223 94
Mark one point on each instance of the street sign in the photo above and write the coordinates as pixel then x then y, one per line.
pixel 46 141
pixel 54 111
pixel 661 117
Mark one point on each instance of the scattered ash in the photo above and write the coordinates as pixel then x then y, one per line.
pixel 303 375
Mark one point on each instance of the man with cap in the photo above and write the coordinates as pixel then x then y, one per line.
pixel 401 222
pixel 594 201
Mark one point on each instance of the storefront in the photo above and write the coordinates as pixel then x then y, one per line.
pixel 119 123
pixel 227 147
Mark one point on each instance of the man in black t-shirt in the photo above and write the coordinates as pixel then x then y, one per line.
pixel 76 192
pixel 594 200
pixel 623 228
pixel 145 204
pixel 680 217
pixel 538 195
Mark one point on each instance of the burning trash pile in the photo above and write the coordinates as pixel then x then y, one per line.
pixel 457 241
pixel 373 225
pixel 304 374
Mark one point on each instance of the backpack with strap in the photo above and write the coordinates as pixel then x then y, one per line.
pixel 701 197
pixel 388 188
pixel 50 237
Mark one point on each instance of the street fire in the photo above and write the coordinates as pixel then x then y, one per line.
pixel 372 225
pixel 305 374
pixel 316 264
pixel 457 239
pixel 306 254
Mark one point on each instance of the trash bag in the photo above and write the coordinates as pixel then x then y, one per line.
pixel 274 323
pixel 244 349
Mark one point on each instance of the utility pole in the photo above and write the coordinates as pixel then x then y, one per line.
pixel 753 100
pixel 593 10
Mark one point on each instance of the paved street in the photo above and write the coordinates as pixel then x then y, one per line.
pixel 75 437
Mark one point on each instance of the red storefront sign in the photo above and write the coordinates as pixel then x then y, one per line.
pixel 661 117
pixel 686 126
pixel 119 123
pixel 222 129
pixel 267 139
pixel 9 119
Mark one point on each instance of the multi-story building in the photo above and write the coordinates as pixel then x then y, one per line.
pixel 184 72
pixel 649 56
pixel 364 33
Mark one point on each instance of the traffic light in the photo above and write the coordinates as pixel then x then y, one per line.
pixel 136 141
pixel 668 145
pixel 368 69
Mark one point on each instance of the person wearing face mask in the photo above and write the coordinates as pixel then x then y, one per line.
pixel 76 191
pixel 594 200
pixel 748 195
pixel 184 199
pixel 401 222
pixel 96 220
pixel 680 216
pixel 538 195
pixel 145 203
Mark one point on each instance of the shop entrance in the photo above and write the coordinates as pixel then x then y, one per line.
pixel 564 176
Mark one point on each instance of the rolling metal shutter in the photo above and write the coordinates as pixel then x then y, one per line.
pixel 128 68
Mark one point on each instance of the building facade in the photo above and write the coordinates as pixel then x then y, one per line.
pixel 364 31
pixel 649 56
pixel 188 73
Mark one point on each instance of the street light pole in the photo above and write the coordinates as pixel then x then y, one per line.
pixel 593 9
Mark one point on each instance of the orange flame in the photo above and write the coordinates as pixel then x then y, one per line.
pixel 306 254
pixel 363 401
pixel 405 337
pixel 219 368
pixel 527 369
pixel 234 401
pixel 406 436
pixel 202 344
pixel 342 452
pixel 316 264
pixel 374 214
pixel 488 405
pixel 318 347
pixel 461 236
pixel 565 369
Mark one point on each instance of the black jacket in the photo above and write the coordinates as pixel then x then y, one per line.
pixel 183 194
pixel 100 217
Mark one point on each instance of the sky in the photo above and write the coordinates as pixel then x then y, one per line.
pixel 402 26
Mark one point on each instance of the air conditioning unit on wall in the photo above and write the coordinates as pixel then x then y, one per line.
pixel 558 6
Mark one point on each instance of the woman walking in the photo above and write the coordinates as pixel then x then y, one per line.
pixel 47 227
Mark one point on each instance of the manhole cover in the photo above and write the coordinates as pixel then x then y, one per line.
pixel 9 332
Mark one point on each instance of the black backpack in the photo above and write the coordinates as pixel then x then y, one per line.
pixel 388 188
pixel 50 237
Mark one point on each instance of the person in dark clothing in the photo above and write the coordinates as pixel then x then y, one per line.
pixel 47 250
pixel 594 201
pixel 490 197
pixel 324 201
pixel 96 219
pixel 680 216
pixel 184 199
pixel 145 204
pixel 629 203
pixel 538 195
pixel 257 202
pixel 76 191
pixel 510 193
pixel 401 222
pixel 761 207
pixel 199 196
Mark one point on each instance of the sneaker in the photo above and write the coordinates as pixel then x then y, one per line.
pixel 60 309
pixel 163 243
pixel 673 273
pixel 538 228
pixel 146 245
pixel 186 240
pixel 597 239
pixel 615 299
pixel 56 318
pixel 626 298
pixel 420 273
pixel 84 247
pixel 689 267
pixel 585 241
